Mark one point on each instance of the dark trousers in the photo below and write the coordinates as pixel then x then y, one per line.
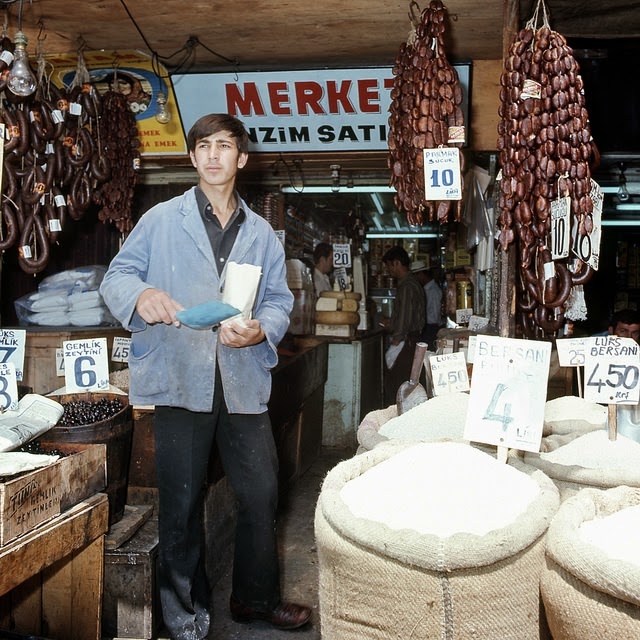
pixel 183 441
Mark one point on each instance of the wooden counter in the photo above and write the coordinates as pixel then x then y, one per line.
pixel 51 578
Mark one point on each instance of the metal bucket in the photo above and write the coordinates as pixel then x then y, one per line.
pixel 116 432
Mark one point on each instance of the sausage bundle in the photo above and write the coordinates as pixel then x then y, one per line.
pixel 425 112
pixel 545 152
pixel 55 159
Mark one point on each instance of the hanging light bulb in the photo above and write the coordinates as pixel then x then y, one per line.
pixel 335 177
pixel 20 79
pixel 623 192
pixel 162 115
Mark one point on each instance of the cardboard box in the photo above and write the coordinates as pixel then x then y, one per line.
pixel 29 499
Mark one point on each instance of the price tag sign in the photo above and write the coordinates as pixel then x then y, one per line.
pixel 508 392
pixel 60 362
pixel 572 352
pixel 442 174
pixel 463 315
pixel 8 387
pixel 587 246
pixel 612 371
pixel 560 227
pixel 340 276
pixel 86 366
pixel 120 349
pixel 12 343
pixel 449 373
pixel 341 255
pixel 477 323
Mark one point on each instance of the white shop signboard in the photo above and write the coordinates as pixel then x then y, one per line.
pixel 303 110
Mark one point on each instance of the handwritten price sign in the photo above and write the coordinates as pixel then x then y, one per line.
pixel 12 348
pixel 612 371
pixel 449 373
pixel 86 366
pixel 442 174
pixel 508 392
pixel 8 387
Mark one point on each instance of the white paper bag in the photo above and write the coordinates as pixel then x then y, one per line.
pixel 241 286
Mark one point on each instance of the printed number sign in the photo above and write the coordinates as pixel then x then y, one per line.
pixel 572 352
pixel 560 227
pixel 508 392
pixel 442 174
pixel 612 371
pixel 12 343
pixel 86 366
pixel 449 373
pixel 341 255
pixel 120 349
pixel 8 387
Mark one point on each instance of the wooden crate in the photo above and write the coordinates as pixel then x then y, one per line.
pixel 30 499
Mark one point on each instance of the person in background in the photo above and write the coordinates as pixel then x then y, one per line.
pixel 406 322
pixel 625 323
pixel 323 263
pixel 208 387
pixel 433 298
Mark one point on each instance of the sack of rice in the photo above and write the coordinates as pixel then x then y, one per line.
pixel 439 418
pixel 432 540
pixel 588 460
pixel 570 414
pixel 591 583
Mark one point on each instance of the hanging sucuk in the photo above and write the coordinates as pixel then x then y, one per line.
pixel 425 113
pixel 546 153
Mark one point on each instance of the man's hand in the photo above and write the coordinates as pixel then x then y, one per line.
pixel 240 333
pixel 156 306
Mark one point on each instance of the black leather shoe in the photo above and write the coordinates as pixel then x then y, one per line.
pixel 287 615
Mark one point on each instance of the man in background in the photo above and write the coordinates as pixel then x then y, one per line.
pixel 406 322
pixel 323 263
pixel 625 323
pixel 433 300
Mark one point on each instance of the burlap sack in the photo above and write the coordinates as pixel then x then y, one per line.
pixel 571 479
pixel 383 584
pixel 587 594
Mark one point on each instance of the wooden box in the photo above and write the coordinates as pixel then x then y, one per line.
pixel 30 499
pixel 130 602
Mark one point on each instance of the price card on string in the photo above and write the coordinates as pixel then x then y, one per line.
pixel 12 343
pixel 508 392
pixel 120 349
pixel 86 366
pixel 340 276
pixel 449 373
pixel 612 371
pixel 341 255
pixel 442 174
pixel 560 227
pixel 585 241
pixel 8 387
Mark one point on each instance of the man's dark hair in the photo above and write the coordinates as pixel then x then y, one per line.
pixel 322 250
pixel 626 316
pixel 397 253
pixel 215 122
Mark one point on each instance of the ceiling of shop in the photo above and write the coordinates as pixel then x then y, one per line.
pixel 207 35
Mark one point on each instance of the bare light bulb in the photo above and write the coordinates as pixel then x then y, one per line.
pixel 335 177
pixel 162 115
pixel 20 79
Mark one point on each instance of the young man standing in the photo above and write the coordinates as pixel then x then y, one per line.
pixel 323 263
pixel 207 386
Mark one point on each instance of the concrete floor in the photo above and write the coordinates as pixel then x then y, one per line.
pixel 298 557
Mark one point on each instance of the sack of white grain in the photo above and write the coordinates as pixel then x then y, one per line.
pixel 432 540
pixel 572 415
pixel 591 584
pixel 439 418
pixel 588 460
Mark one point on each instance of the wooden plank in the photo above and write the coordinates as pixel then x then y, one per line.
pixel 24 605
pixel 72 594
pixel 135 515
pixel 40 548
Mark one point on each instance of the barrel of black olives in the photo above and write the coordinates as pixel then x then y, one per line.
pixel 100 418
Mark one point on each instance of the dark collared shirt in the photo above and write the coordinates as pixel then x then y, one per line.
pixel 222 240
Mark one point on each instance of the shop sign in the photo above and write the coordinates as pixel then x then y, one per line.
pixel 307 110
